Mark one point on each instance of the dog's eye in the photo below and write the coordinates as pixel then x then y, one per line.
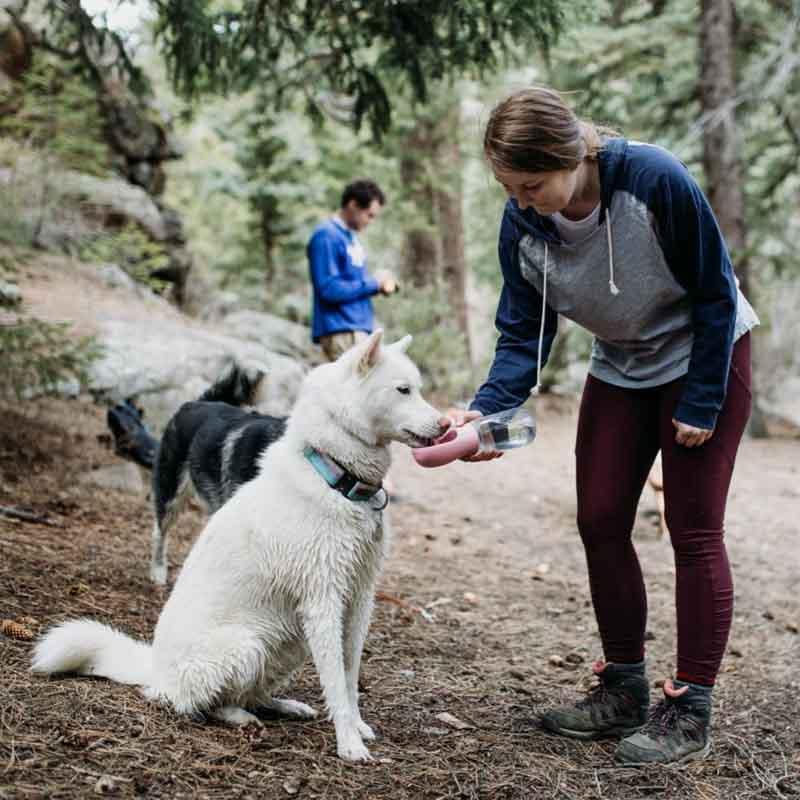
pixel 404 389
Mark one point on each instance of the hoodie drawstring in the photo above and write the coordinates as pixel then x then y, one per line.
pixel 612 287
pixel 535 389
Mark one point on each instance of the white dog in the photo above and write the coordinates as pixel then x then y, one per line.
pixel 288 565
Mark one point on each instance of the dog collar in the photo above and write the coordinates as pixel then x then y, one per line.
pixel 337 477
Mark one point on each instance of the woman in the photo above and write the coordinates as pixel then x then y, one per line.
pixel 617 236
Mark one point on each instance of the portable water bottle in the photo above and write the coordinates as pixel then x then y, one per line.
pixel 502 431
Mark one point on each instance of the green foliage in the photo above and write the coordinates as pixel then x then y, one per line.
pixel 59 113
pixel 324 51
pixel 438 346
pixel 37 356
pixel 132 250
pixel 96 51
pixel 632 76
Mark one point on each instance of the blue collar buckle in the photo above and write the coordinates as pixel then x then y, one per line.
pixel 337 477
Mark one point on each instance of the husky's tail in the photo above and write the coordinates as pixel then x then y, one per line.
pixel 238 386
pixel 86 647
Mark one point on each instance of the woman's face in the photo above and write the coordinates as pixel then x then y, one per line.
pixel 545 192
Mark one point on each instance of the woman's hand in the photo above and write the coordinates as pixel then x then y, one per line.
pixel 689 436
pixel 461 417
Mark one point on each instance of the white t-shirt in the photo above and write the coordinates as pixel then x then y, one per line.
pixel 576 230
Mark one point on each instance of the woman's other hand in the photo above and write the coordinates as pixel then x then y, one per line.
pixel 689 436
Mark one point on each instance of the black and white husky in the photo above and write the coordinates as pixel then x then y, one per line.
pixel 286 567
pixel 212 446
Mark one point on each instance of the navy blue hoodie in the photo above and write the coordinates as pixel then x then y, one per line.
pixel 653 282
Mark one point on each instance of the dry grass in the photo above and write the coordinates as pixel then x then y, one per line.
pixel 485 663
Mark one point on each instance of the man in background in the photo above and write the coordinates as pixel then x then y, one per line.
pixel 343 289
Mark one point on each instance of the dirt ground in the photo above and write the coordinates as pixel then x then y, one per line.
pixel 489 550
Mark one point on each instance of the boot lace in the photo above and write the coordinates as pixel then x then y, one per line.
pixel 597 695
pixel 662 719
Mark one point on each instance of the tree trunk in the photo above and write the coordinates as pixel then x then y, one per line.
pixel 421 258
pixel 721 146
pixel 432 170
pixel 269 242
pixel 449 203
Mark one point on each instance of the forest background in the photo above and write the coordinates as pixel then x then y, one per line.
pixel 162 164
pixel 271 107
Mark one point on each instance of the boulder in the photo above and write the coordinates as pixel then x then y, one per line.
pixel 166 362
pixel 781 407
pixel 276 334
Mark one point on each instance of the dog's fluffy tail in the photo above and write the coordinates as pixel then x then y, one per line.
pixel 86 647
pixel 237 386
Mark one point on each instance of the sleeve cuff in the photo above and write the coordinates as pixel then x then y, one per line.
pixel 705 418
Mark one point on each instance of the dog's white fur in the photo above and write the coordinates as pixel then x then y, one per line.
pixel 287 566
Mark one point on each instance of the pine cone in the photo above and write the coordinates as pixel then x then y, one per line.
pixel 16 631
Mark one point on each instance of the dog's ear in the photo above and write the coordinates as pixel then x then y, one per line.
pixel 369 352
pixel 402 344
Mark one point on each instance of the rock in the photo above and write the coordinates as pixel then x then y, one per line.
pixel 292 786
pixel 782 408
pixel 113 202
pixel 124 477
pixel 276 334
pixel 115 277
pixel 453 722
pixel 10 295
pixel 166 362
pixel 106 785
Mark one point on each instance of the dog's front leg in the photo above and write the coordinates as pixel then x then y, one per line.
pixel 356 625
pixel 323 628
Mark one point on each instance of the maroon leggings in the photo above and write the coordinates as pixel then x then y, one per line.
pixel 620 431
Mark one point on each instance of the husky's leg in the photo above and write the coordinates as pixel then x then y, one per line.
pixel 233 715
pixel 323 627
pixel 356 625
pixel 290 708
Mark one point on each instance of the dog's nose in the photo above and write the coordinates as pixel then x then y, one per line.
pixel 444 424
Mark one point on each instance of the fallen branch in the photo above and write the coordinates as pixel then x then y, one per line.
pixel 398 601
pixel 26 516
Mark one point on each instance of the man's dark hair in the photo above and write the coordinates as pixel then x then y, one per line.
pixel 363 192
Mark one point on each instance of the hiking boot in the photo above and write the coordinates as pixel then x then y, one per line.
pixel 616 706
pixel 677 729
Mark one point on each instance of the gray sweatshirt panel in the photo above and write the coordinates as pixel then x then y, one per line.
pixel 643 335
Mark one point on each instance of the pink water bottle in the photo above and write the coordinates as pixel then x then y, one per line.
pixel 502 431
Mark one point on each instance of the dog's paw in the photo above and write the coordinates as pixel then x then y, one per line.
pixel 353 749
pixel 366 732
pixel 233 715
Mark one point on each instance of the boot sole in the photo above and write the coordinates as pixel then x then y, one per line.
pixel 608 733
pixel 695 755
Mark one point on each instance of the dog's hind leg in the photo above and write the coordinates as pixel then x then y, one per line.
pixel 167 511
pixel 289 708
pixel 233 715
pixel 323 629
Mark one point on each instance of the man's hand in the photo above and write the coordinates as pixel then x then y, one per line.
pixel 689 436
pixel 461 417
pixel 386 280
